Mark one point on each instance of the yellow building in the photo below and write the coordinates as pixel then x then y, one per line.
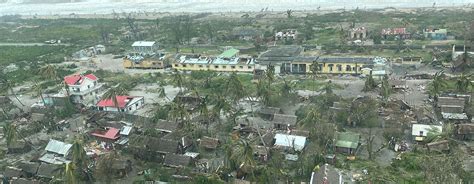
pixel 226 62
pixel 144 61
pixel 327 65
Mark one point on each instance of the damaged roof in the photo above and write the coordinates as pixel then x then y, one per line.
pixel 175 160
pixel 284 119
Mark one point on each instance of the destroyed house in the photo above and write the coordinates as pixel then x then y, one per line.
pixel 209 142
pixel 166 126
pixel 175 160
pixel 268 112
pixel 465 131
pixel 284 121
pixel 108 135
pixel 57 152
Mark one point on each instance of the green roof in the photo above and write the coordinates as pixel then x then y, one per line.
pixel 229 53
pixel 347 139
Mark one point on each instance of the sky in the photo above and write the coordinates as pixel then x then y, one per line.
pixel 10 7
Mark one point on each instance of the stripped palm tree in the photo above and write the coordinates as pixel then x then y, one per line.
pixel 234 88
pixel 462 83
pixel 11 134
pixel 38 91
pixel 8 85
pixel 69 173
pixel 112 94
pixel 437 85
pixel 243 156
pixel 178 80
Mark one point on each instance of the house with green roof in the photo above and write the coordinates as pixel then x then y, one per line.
pixel 230 53
pixel 347 142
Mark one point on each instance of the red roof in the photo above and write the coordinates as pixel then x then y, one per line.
pixel 111 133
pixel 77 79
pixel 122 102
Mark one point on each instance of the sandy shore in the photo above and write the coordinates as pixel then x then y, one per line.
pixel 154 9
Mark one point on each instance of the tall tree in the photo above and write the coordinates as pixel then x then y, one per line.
pixel 234 88
pixel 69 173
pixel 243 155
pixel 369 83
pixel 386 90
pixel 178 80
pixel 264 91
pixel 462 83
pixel 7 85
pixel 437 85
pixel 11 134
pixel 38 91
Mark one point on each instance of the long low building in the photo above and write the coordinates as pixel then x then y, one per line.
pixel 228 61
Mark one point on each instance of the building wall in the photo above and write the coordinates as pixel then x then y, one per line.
pixel 84 93
pixel 147 63
pixel 212 67
pixel 333 68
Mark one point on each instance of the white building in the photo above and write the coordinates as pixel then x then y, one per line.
pixel 144 47
pixel 83 88
pixel 420 131
pixel 125 104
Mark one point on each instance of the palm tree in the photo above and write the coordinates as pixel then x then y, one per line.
pixel 204 112
pixel 11 134
pixel 112 94
pixel 221 105
pixel 462 83
pixel 162 93
pixel 264 92
pixel 49 72
pixel 8 84
pixel 328 87
pixel 369 83
pixel 79 157
pixel 314 67
pixel 386 90
pixel 311 118
pixel 286 89
pixel 178 80
pixel 69 173
pixel 243 156
pixel 270 74
pixel 437 85
pixel 38 91
pixel 234 88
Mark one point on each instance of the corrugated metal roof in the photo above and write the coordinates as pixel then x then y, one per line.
pixel 58 147
pixel 125 130
pixel 292 141
pixel 143 44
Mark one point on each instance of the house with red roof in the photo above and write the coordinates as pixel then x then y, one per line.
pixel 83 88
pixel 125 104
pixel 109 134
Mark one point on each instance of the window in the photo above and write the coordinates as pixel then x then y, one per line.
pixel 216 66
pixel 348 68
pixel 191 65
pixel 339 68
pixel 184 66
pixel 130 108
pixel 207 66
pixel 200 66
pixel 320 67
pixel 88 86
pixel 224 66
pixel 101 108
pixel 241 67
pixel 176 65
pixel 330 67
pixel 249 67
pixel 136 105
pixel 233 67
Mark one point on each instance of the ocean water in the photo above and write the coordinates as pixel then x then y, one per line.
pixel 39 7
